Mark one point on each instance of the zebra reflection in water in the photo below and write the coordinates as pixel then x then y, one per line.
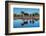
pixel 26 22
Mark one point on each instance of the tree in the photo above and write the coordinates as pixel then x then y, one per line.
pixel 33 14
pixel 36 14
pixel 22 12
pixel 14 15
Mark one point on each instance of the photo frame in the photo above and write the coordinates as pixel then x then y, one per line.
pixel 24 17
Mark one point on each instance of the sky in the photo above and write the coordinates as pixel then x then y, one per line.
pixel 26 10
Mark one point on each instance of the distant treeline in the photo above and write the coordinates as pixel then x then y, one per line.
pixel 25 14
